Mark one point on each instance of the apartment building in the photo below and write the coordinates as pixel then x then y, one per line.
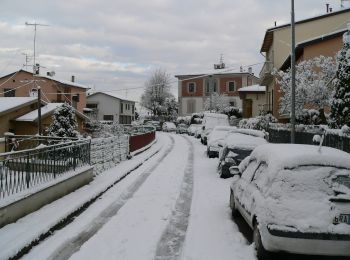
pixel 53 89
pixel 195 89
pixel 319 35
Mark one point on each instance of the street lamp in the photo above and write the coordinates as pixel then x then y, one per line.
pixel 292 133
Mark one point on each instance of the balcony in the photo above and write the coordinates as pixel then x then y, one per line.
pixel 265 73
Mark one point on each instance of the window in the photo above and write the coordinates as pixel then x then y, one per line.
pixel 92 106
pixel 232 103
pixel 260 177
pixel 208 86
pixel 133 108
pixel 249 171
pixel 108 117
pixel 9 92
pixel 231 86
pixel 121 108
pixel 191 87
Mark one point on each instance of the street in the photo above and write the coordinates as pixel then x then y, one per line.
pixel 172 207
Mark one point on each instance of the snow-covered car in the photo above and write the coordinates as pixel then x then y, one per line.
pixel 296 198
pixel 234 148
pixel 192 129
pixel 181 129
pixel 198 131
pixel 210 120
pixel 169 127
pixel 156 124
pixel 219 133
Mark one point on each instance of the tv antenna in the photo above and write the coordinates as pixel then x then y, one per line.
pixel 35 25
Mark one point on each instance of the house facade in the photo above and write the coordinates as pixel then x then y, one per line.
pixel 194 90
pixel 12 108
pixel 19 115
pixel 106 106
pixel 253 100
pixel 276 49
pixel 20 84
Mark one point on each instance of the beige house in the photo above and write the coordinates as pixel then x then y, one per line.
pixel 276 48
pixel 54 90
pixel 253 99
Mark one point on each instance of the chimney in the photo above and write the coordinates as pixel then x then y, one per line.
pixel 275 23
pixel 250 70
pixel 330 9
pixel 327 5
pixel 73 78
pixel 241 69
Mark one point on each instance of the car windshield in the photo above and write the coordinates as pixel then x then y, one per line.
pixel 240 154
pixel 313 182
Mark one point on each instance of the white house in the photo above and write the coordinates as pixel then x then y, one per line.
pixel 106 106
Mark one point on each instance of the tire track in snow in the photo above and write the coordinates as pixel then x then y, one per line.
pixel 171 242
pixel 73 245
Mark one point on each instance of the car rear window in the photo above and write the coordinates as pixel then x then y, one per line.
pixel 312 181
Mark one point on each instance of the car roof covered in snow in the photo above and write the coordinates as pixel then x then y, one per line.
pixel 281 156
pixel 242 141
pixel 252 132
pixel 223 128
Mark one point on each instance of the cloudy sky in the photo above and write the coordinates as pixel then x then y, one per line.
pixel 116 44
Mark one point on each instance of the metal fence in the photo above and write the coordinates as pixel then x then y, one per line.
pixel 26 169
pixel 24 142
pixel 331 140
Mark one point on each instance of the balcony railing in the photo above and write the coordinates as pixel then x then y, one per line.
pixel 24 170
pixel 266 71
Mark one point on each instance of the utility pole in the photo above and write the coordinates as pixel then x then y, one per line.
pixel 39 112
pixel 34 72
pixel 210 92
pixel 292 133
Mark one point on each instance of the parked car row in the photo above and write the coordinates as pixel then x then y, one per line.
pixel 295 198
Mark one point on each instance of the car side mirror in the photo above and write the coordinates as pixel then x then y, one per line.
pixel 234 170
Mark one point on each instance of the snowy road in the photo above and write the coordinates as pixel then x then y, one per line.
pixel 172 207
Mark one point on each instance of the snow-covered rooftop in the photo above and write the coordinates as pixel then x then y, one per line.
pixel 66 82
pixel 33 115
pixel 8 103
pixel 253 88
pixel 112 94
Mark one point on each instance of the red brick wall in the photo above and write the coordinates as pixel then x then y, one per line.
pixel 199 88
pixel 136 142
pixel 223 85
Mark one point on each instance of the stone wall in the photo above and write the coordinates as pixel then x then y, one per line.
pixel 108 152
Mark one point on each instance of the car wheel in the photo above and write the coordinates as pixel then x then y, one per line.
pixel 234 211
pixel 261 252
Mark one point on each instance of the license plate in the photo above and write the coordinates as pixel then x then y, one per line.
pixel 342 218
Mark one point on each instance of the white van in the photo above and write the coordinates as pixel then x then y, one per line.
pixel 210 120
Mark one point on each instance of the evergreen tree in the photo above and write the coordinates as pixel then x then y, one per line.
pixel 340 105
pixel 64 122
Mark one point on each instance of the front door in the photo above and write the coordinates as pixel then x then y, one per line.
pixel 247 108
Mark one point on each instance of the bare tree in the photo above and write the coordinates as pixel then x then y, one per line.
pixel 157 91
